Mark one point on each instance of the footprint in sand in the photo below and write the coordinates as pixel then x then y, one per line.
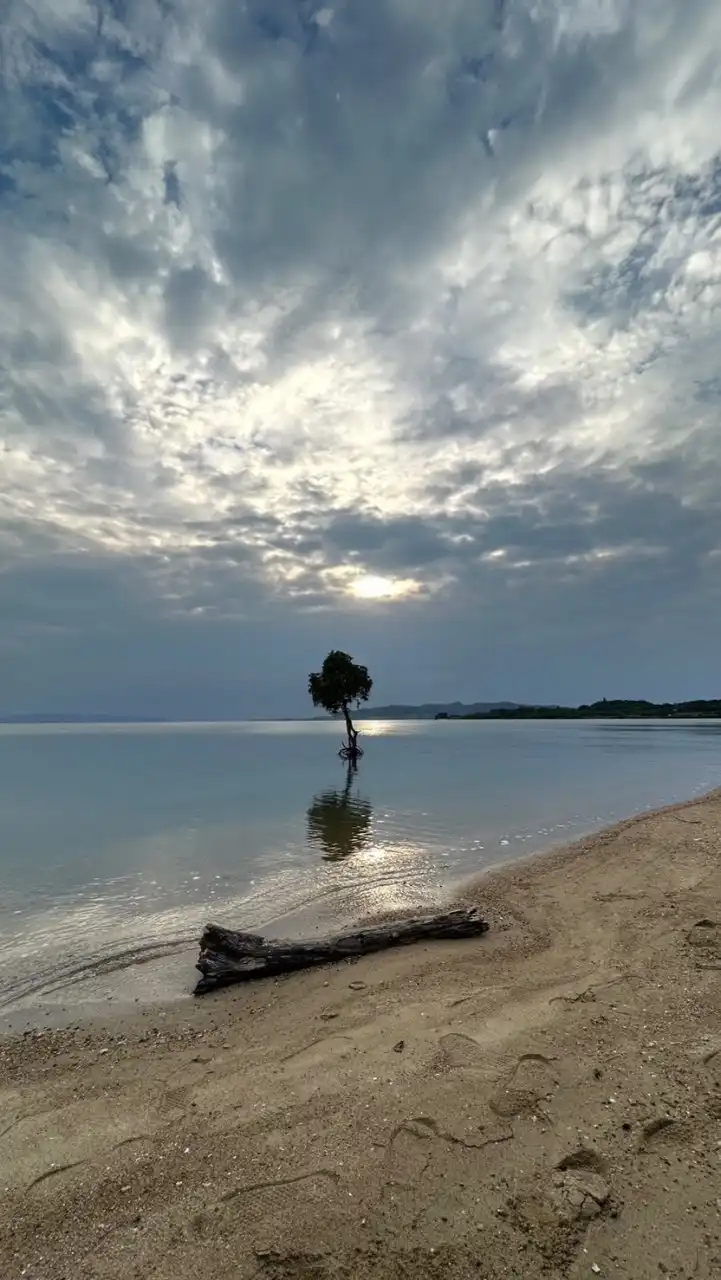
pixel 662 1133
pixel 584 1159
pixel 705 937
pixel 579 1186
pixel 459 1051
pixel 409 1150
pixel 175 1099
pixel 712 1062
pixel 529 1082
pixel 558 1214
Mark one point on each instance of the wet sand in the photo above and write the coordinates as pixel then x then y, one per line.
pixel 543 1101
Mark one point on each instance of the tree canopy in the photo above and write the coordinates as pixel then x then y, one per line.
pixel 341 683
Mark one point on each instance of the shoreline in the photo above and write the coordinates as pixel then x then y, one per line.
pixel 165 972
pixel 543 1100
pixel 572 849
pixel 168 969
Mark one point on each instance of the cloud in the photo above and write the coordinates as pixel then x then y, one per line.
pixel 292 291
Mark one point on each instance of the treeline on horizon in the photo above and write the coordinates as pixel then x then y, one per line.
pixel 611 709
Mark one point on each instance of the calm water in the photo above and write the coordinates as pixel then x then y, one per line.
pixel 119 842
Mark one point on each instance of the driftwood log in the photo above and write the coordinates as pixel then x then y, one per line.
pixel 227 956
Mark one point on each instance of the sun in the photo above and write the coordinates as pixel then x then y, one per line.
pixel 372 587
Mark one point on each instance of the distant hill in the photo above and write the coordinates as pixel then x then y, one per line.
pixel 429 710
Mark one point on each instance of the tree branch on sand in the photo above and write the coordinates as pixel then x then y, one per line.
pixel 227 957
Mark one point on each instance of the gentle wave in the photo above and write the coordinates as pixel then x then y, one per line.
pixel 65 974
pixel 287 901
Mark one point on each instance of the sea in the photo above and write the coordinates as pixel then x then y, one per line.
pixel 119 842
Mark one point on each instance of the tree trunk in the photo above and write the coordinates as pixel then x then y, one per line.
pixel 352 733
pixel 352 751
pixel 227 957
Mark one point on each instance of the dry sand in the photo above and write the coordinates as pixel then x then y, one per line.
pixel 544 1101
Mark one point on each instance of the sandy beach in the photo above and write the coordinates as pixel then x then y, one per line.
pixel 543 1101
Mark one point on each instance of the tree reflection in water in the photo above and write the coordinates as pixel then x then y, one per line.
pixel 339 821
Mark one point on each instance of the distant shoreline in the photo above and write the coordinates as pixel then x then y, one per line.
pixel 605 709
pixel 40 720
pixel 617 709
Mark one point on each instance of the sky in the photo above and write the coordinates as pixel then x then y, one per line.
pixel 388 326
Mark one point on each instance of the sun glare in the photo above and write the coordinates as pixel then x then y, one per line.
pixel 371 587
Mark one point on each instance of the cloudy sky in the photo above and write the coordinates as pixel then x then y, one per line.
pixel 389 325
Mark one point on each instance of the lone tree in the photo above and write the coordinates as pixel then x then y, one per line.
pixel 340 684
